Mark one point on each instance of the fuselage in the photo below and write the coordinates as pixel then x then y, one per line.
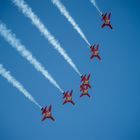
pixel 95 52
pixel 86 82
pixel 47 114
pixel 85 91
pixel 107 21
pixel 68 98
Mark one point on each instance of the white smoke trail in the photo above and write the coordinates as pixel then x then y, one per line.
pixel 96 6
pixel 27 11
pixel 64 12
pixel 6 74
pixel 15 43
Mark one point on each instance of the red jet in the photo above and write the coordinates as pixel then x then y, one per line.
pixel 47 113
pixel 68 98
pixel 85 80
pixel 106 20
pixel 85 93
pixel 95 52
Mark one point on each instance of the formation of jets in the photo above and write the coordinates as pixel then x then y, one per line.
pixel 67 96
pixel 85 84
pixel 85 79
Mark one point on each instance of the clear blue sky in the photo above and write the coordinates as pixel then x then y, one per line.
pixel 113 113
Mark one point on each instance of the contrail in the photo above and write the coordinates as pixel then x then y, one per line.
pixel 64 12
pixel 15 43
pixel 96 6
pixel 27 11
pixel 6 74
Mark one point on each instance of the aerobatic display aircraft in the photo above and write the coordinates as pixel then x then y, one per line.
pixel 68 97
pixel 47 113
pixel 85 79
pixel 85 85
pixel 95 52
pixel 106 19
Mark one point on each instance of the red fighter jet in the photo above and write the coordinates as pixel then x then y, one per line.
pixel 85 93
pixel 95 52
pixel 47 113
pixel 106 20
pixel 85 80
pixel 68 98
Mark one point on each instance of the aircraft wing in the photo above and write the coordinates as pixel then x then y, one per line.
pixel 50 108
pixel 83 78
pixel 109 15
pixel 71 92
pixel 44 110
pixel 91 56
pixel 104 16
pixel 66 93
pixel 44 118
pixel 88 77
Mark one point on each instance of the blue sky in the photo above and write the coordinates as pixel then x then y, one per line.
pixel 113 112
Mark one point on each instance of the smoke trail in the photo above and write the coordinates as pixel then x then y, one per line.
pixel 64 12
pixel 6 74
pixel 27 11
pixel 15 43
pixel 96 6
